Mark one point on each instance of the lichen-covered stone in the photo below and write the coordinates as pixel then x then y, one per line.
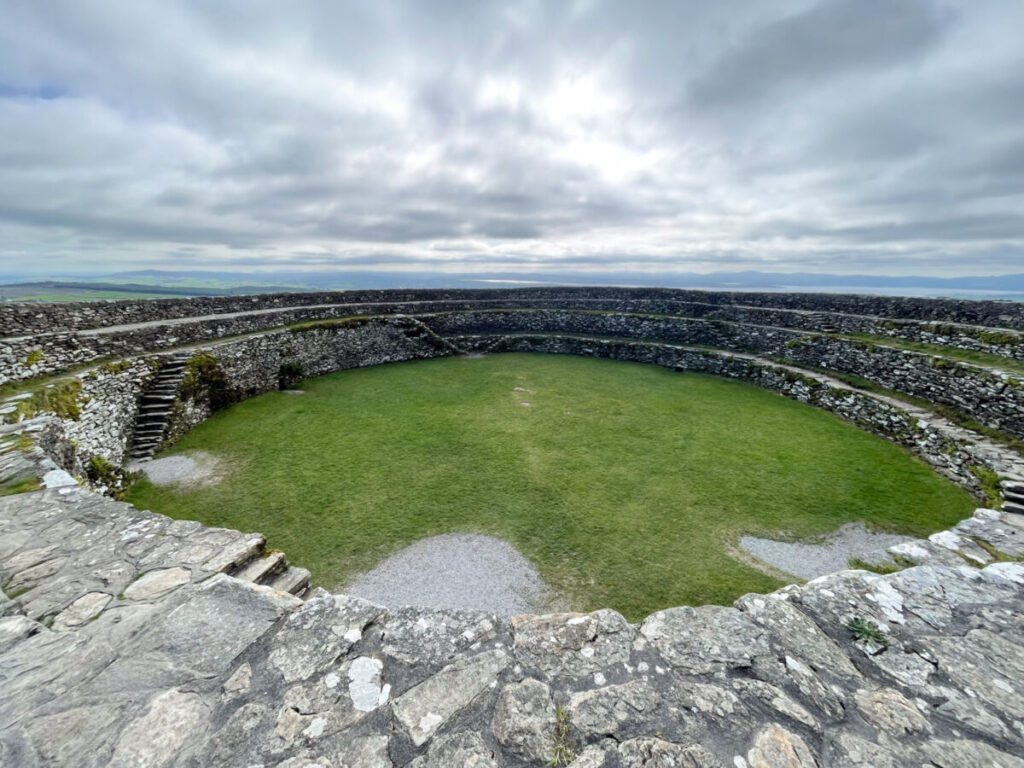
pixel 572 643
pixel 429 705
pixel 776 747
pixel 524 720
pixel 706 639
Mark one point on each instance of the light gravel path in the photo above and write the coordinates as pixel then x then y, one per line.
pixel 809 561
pixel 456 571
pixel 196 468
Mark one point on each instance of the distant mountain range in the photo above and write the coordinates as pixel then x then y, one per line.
pixel 152 282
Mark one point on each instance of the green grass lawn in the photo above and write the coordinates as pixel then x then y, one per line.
pixel 623 483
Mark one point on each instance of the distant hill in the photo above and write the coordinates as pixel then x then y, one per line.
pixel 151 283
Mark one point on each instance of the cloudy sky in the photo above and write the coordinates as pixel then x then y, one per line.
pixel 871 136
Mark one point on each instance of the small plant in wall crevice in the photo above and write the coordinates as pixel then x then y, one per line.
pixel 563 751
pixel 867 631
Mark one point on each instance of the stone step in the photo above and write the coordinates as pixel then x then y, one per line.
pixel 1002 536
pixel 922 552
pixel 1014 496
pixel 294 581
pixel 963 546
pixel 1012 486
pixel 1013 507
pixel 238 552
pixel 156 408
pixel 260 569
pixel 151 416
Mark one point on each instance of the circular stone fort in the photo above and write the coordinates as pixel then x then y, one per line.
pixel 128 638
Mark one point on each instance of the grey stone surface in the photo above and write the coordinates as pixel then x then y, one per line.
pixel 710 638
pixel 429 705
pixel 253 677
pixel 524 720
pixel 572 643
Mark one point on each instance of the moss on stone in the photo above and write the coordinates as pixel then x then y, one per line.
pixel 25 485
pixel 61 398
pixel 352 321
pixel 989 483
pixel 204 379
pixel 119 367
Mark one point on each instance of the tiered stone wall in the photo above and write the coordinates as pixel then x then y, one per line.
pixel 991 397
pixel 123 642
pixel 20 319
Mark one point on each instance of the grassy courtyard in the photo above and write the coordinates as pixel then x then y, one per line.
pixel 624 484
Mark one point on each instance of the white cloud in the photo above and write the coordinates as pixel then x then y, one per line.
pixel 837 135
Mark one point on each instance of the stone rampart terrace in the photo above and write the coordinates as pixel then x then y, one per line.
pixel 130 639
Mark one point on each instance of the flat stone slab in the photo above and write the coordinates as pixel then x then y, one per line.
pixel 459 571
pixel 809 560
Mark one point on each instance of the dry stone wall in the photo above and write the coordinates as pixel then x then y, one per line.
pixel 124 641
pixel 21 319
pixel 253 365
pixel 44 339
pixel 992 397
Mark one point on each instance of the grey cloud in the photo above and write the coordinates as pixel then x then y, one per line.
pixel 535 135
pixel 828 39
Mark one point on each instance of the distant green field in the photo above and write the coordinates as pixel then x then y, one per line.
pixel 625 484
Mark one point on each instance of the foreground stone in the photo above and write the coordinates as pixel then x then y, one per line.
pixel 224 672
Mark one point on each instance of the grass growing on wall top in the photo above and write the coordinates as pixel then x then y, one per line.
pixel 974 357
pixel 623 483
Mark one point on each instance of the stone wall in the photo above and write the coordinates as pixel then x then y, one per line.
pixel 252 365
pixel 20 319
pixel 124 643
pixel 95 412
pixel 24 357
pixel 992 398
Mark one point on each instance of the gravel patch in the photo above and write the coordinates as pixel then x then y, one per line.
pixel 461 571
pixel 809 561
pixel 197 468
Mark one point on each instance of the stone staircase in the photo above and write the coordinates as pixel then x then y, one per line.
pixel 824 323
pixel 1012 487
pixel 155 407
pixel 51 575
pixel 271 568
